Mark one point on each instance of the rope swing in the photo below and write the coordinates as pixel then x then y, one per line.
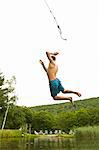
pixel 59 29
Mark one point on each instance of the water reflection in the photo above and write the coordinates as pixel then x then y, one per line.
pixel 49 143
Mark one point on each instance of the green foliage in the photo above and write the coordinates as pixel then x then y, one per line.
pixel 43 121
pixel 10 133
pixel 85 114
pixel 3 92
pixel 29 115
pixel 66 121
pixel 82 117
pixel 7 96
pixel 87 132
pixel 50 120
pixel 7 91
pixel 90 103
pixel 16 118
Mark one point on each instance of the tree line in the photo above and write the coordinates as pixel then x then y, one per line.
pixel 44 120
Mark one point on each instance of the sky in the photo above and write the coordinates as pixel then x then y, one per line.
pixel 28 30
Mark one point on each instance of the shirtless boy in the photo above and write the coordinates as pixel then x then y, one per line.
pixel 54 83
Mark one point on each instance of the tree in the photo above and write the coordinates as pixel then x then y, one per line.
pixel 16 118
pixel 7 90
pixel 66 121
pixel 29 115
pixel 83 118
pixel 7 95
pixel 93 116
pixel 3 91
pixel 43 120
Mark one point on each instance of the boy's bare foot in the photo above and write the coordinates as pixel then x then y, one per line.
pixel 71 100
pixel 77 93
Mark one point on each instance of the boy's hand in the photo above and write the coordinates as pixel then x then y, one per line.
pixel 56 53
pixel 41 62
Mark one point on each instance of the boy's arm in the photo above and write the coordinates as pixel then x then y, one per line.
pixel 49 55
pixel 55 53
pixel 41 62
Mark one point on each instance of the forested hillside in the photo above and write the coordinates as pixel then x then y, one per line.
pixel 50 117
pixel 91 103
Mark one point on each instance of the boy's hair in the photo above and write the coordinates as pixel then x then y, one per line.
pixel 53 57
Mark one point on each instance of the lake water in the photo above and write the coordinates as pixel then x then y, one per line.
pixel 49 143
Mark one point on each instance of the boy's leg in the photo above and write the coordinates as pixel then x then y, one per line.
pixel 63 98
pixel 69 91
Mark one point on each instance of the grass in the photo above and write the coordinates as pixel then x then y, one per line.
pixel 81 132
pixel 17 133
pixel 87 132
pixel 10 133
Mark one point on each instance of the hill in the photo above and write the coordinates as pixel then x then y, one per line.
pixel 90 103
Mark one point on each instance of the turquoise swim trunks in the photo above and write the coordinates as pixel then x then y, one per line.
pixel 55 87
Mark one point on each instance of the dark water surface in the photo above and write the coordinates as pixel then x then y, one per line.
pixel 49 143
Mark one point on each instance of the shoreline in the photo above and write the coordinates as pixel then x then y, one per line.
pixel 18 134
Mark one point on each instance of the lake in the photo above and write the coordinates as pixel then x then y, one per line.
pixel 49 143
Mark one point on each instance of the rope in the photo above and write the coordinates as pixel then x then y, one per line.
pixel 59 29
